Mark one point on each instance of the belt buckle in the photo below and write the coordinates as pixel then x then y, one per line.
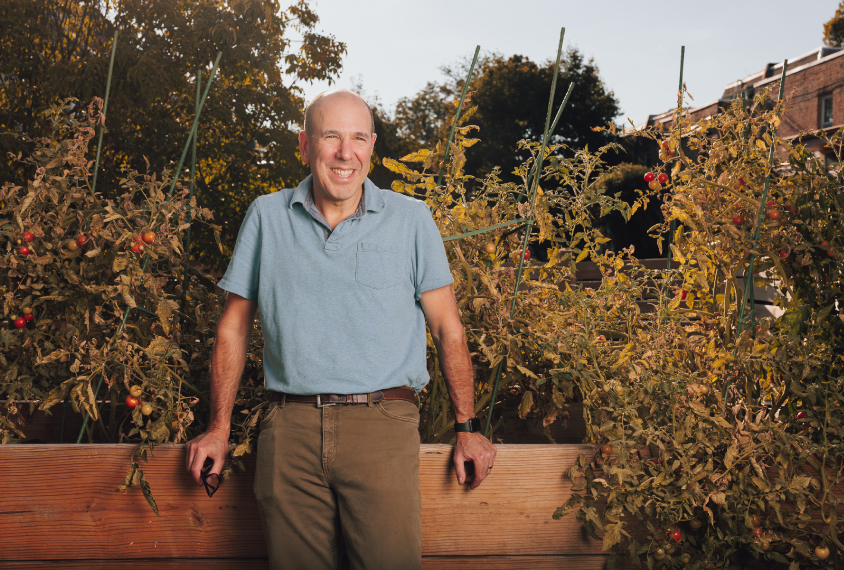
pixel 320 404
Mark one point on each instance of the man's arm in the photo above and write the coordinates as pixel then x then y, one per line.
pixel 443 317
pixel 227 361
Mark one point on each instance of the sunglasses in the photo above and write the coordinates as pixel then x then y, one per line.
pixel 210 480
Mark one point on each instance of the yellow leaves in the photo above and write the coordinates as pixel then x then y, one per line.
pixel 526 404
pixel 418 156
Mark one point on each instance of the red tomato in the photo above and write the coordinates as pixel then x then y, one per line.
pixel 665 145
pixel 81 240
pixel 757 532
pixel 131 402
pixel 606 450
pixel 773 214
pixel 649 177
pixel 663 178
pixel 20 322
pixel 24 250
pixel 801 415
pixel 783 254
pixel 741 181
pixel 29 317
pixel 137 247
pixel 771 204
pixel 527 255
pixel 675 535
pixel 682 293
pixel 738 220
pixel 791 208
pixel 27 236
pixel 148 237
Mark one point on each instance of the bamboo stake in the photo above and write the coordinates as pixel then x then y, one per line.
pixel 536 177
pixel 457 115
pixel 677 126
pixel 147 256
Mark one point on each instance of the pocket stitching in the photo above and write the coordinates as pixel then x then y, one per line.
pixel 270 414
pixel 394 417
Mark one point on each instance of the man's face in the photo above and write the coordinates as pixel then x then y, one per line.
pixel 340 149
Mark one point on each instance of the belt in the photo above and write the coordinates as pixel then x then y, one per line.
pixel 322 400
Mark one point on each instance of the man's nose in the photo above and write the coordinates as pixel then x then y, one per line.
pixel 344 152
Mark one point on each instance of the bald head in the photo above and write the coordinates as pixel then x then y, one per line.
pixel 312 110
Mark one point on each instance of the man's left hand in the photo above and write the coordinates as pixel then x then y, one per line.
pixel 476 448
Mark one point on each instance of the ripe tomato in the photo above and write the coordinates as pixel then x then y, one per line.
pixel 81 240
pixel 783 253
pixel 146 409
pixel 527 255
pixel 771 204
pixel 131 402
pixel 29 317
pixel 606 450
pixel 27 236
pixel 801 415
pixel 682 293
pixel 135 391
pixel 600 338
pixel 72 245
pixel 791 208
pixel 741 181
pixel 755 519
pixel 20 322
pixel 822 552
pixel 773 214
pixel 665 145
pixel 24 250
pixel 148 237
pixel 655 185
pixel 663 178
pixel 738 220
pixel 27 310
pixel 649 177
pixel 489 247
pixel 757 532
pixel 137 247
pixel 675 535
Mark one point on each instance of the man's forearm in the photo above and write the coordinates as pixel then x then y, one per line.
pixel 227 362
pixel 456 365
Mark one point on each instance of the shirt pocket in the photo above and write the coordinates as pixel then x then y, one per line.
pixel 378 266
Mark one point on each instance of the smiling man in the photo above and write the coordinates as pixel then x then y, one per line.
pixel 344 275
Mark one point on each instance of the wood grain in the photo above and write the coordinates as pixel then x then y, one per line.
pixel 58 503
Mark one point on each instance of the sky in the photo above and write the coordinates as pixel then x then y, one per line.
pixel 396 46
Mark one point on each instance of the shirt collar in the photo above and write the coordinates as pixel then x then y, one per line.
pixel 373 201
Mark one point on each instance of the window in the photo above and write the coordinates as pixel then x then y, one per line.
pixel 826 111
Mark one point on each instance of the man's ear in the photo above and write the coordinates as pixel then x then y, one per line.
pixel 303 147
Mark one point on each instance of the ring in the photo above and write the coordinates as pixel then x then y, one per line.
pixel 490 467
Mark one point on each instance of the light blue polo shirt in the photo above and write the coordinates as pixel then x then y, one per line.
pixel 340 314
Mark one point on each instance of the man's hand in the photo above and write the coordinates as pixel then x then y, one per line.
pixel 214 445
pixel 476 448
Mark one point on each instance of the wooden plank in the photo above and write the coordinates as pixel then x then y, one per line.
pixel 58 504
pixel 508 562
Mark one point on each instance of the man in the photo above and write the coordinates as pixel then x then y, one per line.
pixel 345 276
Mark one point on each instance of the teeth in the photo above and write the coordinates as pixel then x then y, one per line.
pixel 342 173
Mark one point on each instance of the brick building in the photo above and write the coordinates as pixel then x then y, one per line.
pixel 814 86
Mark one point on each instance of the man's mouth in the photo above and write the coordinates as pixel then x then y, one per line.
pixel 342 173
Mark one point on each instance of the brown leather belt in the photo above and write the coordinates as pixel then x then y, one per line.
pixel 322 400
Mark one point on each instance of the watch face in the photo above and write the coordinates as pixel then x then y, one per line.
pixel 475 425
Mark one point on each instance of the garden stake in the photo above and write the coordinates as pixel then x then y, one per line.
pixel 105 114
pixel 748 278
pixel 536 178
pixel 190 195
pixel 457 115
pixel 677 125
pixel 96 170
pixel 147 256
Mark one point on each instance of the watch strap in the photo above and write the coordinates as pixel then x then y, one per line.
pixel 472 426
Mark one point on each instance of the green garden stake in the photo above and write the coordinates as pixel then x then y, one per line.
pixel 748 278
pixel 105 114
pixel 536 177
pixel 147 256
pixel 192 186
pixel 677 126
pixel 457 115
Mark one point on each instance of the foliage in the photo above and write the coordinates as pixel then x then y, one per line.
pixel 247 147
pixel 833 29
pixel 711 422
pixel 511 96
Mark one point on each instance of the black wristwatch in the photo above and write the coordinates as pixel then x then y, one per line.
pixel 472 426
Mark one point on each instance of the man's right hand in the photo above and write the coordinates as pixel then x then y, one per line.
pixel 214 445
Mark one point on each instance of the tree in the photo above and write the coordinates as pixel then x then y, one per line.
pixel 833 30
pixel 512 100
pixel 247 138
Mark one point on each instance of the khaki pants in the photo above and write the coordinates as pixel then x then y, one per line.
pixel 345 473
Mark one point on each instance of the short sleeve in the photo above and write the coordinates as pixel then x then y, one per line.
pixel 241 275
pixel 432 270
